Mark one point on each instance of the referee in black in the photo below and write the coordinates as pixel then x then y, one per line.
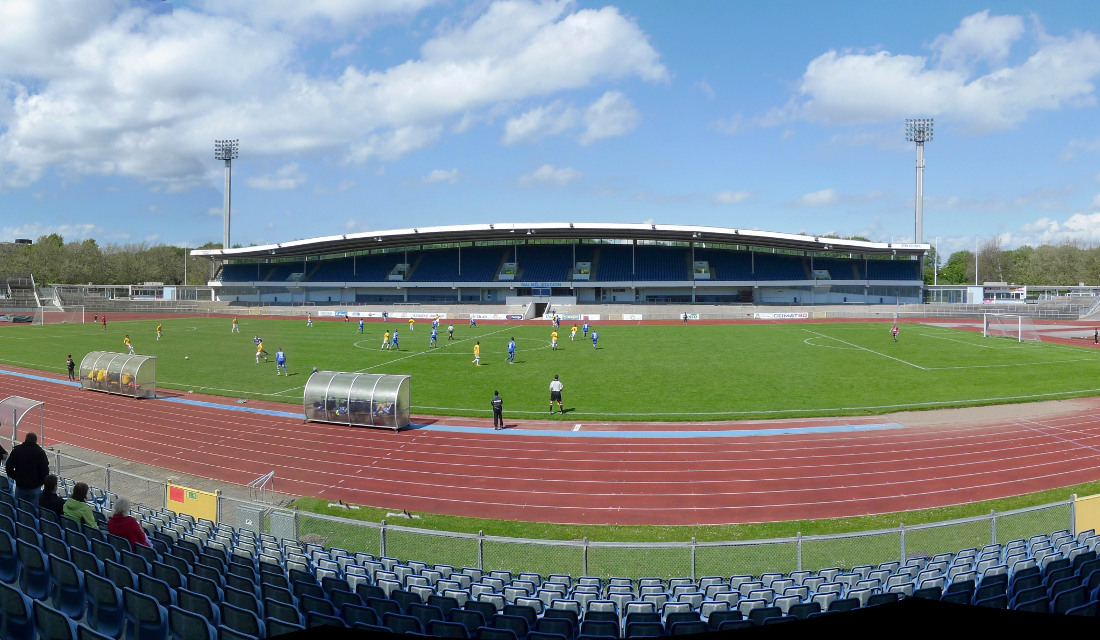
pixel 498 411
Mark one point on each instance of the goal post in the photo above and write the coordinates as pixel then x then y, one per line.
pixel 73 314
pixel 1007 325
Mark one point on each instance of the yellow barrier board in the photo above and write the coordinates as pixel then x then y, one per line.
pixel 196 503
pixel 1086 513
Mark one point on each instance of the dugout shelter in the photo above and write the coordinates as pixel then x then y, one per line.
pixel 119 373
pixel 16 412
pixel 358 399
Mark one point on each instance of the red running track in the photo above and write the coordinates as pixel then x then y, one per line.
pixel 590 480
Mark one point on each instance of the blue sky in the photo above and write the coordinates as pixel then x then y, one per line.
pixel 356 116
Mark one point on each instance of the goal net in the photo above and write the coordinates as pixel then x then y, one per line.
pixel 1003 325
pixel 59 315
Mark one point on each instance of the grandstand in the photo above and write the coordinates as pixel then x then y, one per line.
pixel 572 264
pixel 204 580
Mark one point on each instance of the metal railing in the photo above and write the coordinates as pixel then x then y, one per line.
pixel 594 558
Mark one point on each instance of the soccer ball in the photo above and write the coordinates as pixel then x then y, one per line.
pixel 186 357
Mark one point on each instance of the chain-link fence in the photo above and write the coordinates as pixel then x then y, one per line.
pixel 595 558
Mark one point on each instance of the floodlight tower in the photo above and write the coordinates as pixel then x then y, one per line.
pixel 919 131
pixel 227 150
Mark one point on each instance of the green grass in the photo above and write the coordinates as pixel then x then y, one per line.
pixel 697 372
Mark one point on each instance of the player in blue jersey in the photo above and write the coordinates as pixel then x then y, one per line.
pixel 584 327
pixel 595 337
pixel 431 338
pixel 473 323
pixel 280 363
pixel 512 351
pixel 395 340
pixel 360 325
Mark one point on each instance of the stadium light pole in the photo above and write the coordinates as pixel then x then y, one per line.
pixel 227 150
pixel 919 130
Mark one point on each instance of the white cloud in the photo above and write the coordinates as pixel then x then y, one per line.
pixel 1079 227
pixel 122 89
pixel 731 197
pixel 823 198
pixel 547 175
pixel 844 87
pixel 1074 146
pixel 70 232
pixel 315 17
pixel 705 87
pixel 980 38
pixel 1096 201
pixel 540 122
pixel 830 197
pixel 215 212
pixel 286 177
pixel 441 175
pixel 733 124
pixel 611 116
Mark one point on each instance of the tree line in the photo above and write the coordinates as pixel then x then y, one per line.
pixel 53 261
pixel 1068 263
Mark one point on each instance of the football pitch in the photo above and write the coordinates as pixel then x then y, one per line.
pixel 660 373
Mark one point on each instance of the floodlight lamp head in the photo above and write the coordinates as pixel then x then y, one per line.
pixel 226 149
pixel 918 130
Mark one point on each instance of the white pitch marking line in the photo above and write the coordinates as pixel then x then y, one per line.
pixel 576 427
pixel 866 349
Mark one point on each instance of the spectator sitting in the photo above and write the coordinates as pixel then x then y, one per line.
pixel 121 523
pixel 49 499
pixel 28 466
pixel 76 507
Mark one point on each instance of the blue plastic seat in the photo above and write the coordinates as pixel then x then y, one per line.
pixel 16 616
pixel 276 627
pixel 185 625
pixel 67 587
pixel 84 632
pixel 315 619
pixel 146 619
pixel 118 574
pixel 34 573
pixel 9 558
pixel 400 623
pixel 158 589
pixel 105 611
pixel 225 633
pixel 242 621
pixel 354 614
pixel 52 624
pixel 198 604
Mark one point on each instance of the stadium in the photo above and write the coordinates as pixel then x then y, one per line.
pixel 666 521
pixel 454 387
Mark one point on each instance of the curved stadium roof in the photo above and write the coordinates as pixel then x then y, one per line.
pixel 355 242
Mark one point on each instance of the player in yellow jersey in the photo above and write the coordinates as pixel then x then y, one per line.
pixel 386 340
pixel 126 341
pixel 573 333
pixel 159 327
pixel 411 323
pixel 477 353
pixel 554 340
pixel 236 327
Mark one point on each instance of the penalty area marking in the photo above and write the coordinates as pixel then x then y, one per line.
pixel 813 343
pixel 851 344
